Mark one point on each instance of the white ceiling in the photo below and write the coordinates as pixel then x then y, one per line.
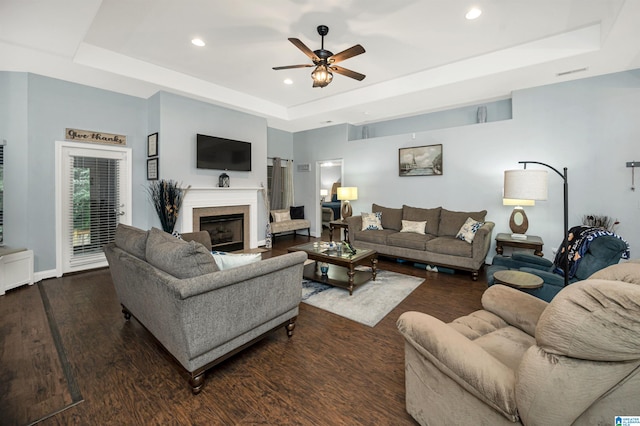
pixel 421 55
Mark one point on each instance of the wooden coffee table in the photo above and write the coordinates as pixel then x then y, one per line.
pixel 342 272
pixel 518 279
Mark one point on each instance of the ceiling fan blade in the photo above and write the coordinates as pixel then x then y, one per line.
pixel 346 54
pixel 300 45
pixel 286 67
pixel 348 73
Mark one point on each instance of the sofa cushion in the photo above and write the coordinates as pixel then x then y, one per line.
pixel 449 245
pixel 452 221
pixel 374 237
pixel 391 218
pixel 177 257
pixel 132 240
pixel 409 240
pixel 372 221
pixel 415 227
pixel 296 212
pixel 468 230
pixel 431 216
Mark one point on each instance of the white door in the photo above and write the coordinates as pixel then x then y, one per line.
pixel 93 195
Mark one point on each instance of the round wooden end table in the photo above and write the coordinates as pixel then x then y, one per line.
pixel 518 279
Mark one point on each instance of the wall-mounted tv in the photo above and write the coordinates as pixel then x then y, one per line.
pixel 222 154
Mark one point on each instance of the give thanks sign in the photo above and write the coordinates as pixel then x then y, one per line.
pixel 92 136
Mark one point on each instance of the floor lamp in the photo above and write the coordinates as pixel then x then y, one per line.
pixel 532 185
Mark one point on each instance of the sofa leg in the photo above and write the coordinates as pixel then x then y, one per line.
pixel 474 275
pixel 127 314
pixel 196 382
pixel 308 233
pixel 291 326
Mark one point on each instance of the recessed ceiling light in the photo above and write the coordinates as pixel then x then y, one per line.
pixel 473 13
pixel 288 81
pixel 198 42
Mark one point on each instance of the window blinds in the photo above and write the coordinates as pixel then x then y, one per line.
pixel 95 206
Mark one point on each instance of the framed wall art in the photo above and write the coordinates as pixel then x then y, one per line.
pixel 420 161
pixel 152 169
pixel 152 145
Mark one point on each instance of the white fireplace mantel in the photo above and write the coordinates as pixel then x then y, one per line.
pixel 221 197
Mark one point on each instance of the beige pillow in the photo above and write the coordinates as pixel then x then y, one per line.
pixel 417 227
pixel 281 216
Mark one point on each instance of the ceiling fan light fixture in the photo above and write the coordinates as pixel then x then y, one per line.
pixel 473 13
pixel 322 76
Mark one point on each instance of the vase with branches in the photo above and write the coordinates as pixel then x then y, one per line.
pixel 166 197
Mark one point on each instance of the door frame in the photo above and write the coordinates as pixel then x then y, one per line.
pixel 125 192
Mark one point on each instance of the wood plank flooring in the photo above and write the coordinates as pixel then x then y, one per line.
pixel 332 372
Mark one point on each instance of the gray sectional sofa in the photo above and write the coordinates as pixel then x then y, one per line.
pixel 438 246
pixel 201 315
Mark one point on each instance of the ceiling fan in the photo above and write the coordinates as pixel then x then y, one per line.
pixel 325 61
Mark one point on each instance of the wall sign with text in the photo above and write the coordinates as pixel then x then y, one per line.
pixel 93 136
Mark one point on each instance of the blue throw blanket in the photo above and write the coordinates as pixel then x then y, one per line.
pixel 578 241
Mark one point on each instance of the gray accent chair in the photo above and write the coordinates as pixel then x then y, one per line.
pixel 199 314
pixel 521 360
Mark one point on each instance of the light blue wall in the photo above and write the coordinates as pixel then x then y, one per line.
pixel 181 119
pixel 280 144
pixel 40 109
pixel 590 126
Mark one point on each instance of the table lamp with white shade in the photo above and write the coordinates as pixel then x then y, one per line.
pixel 323 194
pixel 346 194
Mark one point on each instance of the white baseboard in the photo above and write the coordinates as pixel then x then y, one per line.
pixel 43 275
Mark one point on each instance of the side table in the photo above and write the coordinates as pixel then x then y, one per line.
pixel 518 279
pixel 339 224
pixel 532 242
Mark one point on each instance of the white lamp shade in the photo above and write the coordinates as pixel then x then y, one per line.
pixel 517 202
pixel 526 184
pixel 324 192
pixel 347 193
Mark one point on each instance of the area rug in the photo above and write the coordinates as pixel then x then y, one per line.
pixel 370 302
pixel 35 373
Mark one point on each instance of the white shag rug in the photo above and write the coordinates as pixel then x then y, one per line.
pixel 370 302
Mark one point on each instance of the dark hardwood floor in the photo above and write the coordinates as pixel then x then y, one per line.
pixel 332 372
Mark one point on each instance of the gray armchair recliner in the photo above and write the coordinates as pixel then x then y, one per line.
pixel 597 253
pixel 520 360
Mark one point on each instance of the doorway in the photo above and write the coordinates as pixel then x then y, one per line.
pixel 330 176
pixel 93 195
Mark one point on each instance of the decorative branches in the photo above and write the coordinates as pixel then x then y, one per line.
pixel 600 221
pixel 166 197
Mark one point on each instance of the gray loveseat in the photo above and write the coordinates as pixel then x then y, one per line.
pixel 438 246
pixel 201 315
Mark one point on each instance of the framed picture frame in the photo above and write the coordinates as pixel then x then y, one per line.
pixel 420 161
pixel 152 169
pixel 152 145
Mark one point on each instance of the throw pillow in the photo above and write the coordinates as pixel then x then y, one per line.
pixel 226 260
pixel 468 231
pixel 281 216
pixel 296 212
pixel 372 221
pixel 132 240
pixel 179 258
pixel 411 226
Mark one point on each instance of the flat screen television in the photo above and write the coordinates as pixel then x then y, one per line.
pixel 222 154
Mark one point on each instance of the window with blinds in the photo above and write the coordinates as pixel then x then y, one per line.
pixel 95 206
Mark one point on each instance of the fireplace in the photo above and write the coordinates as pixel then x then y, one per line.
pixel 228 226
pixel 197 201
